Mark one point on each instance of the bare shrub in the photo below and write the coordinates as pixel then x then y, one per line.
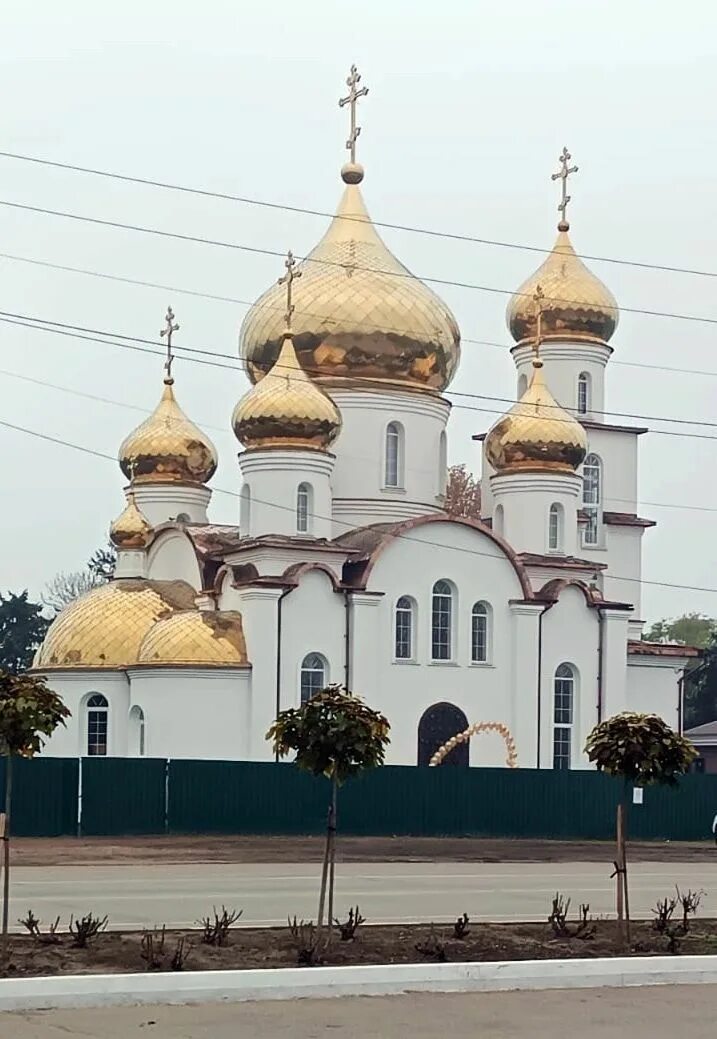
pixel 664 910
pixel 152 948
pixel 432 947
pixel 86 929
pixel 558 918
pixel 32 925
pixel 350 926
pixel 216 931
pixel 180 955
pixel 460 927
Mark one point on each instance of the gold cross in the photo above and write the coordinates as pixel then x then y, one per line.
pixel 539 301
pixel 170 327
pixel 352 97
pixel 288 279
pixel 562 175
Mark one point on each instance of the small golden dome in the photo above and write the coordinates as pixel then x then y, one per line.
pixel 361 314
pixel 577 304
pixel 286 409
pixel 131 529
pixel 105 627
pixel 199 637
pixel 167 447
pixel 536 435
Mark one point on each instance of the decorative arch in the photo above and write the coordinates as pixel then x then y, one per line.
pixel 435 727
pixel 552 591
pixel 296 571
pixel 461 740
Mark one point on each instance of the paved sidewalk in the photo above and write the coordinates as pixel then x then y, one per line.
pixel 646 1013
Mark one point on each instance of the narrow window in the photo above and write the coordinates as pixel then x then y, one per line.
pixel 592 498
pixel 555 528
pixel 136 731
pixel 480 616
pixel 498 520
pixel 583 393
pixel 442 621
pixel 245 510
pixel 303 508
pixel 313 676
pixel 394 453
pixel 403 632
pixel 97 725
pixel 564 691
pixel 442 463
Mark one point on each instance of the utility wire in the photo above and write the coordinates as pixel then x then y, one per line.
pixel 285 207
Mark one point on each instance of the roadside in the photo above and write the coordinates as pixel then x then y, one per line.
pixel 94 851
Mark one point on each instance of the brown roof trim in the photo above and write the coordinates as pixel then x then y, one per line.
pixel 296 571
pixel 640 648
pixel 551 592
pixel 561 562
pixel 590 424
pixel 626 519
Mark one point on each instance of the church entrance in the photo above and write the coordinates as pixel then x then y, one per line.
pixel 438 724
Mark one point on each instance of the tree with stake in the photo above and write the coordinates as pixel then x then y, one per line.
pixel 29 713
pixel 334 734
pixel 644 751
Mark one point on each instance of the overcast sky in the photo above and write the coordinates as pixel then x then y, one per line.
pixel 470 104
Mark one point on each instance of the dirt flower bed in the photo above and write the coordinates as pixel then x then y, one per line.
pixel 245 948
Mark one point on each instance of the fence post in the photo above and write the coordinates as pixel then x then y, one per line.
pixel 166 794
pixel 79 796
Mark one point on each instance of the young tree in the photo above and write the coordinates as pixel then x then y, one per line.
pixel 334 734
pixel 462 493
pixel 29 713
pixel 643 750
pixel 22 629
pixel 65 588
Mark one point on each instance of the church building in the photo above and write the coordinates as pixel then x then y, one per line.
pixel 343 566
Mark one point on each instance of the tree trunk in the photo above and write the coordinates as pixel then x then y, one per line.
pixel 324 876
pixel 624 869
pixel 620 873
pixel 332 853
pixel 6 856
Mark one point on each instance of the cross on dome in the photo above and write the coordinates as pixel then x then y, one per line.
pixel 562 175
pixel 352 172
pixel 288 280
pixel 170 326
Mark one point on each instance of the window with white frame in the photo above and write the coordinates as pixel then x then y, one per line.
pixel 442 621
pixel 303 508
pixel 393 475
pixel 314 676
pixel 563 711
pixel 136 730
pixel 555 528
pixel 583 393
pixel 97 725
pixel 404 629
pixel 480 633
pixel 592 498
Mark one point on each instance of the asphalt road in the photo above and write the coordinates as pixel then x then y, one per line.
pixel 397 892
pixel 646 1013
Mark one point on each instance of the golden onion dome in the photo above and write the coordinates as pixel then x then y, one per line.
pixel 167 447
pixel 199 637
pixel 536 435
pixel 362 315
pixel 131 529
pixel 286 409
pixel 577 304
pixel 105 627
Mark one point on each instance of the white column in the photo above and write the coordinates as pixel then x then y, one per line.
pixel 364 632
pixel 564 363
pixel 259 610
pixel 524 681
pixel 614 661
pixel 526 499
pixel 269 494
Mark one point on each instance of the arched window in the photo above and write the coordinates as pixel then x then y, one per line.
pixel 564 691
pixel 592 498
pixel 314 676
pixel 480 633
pixel 303 508
pixel 97 725
pixel 522 385
pixel 404 629
pixel 555 528
pixel 442 621
pixel 136 732
pixel 393 476
pixel 498 520
pixel 442 463
pixel 245 510
pixel 583 393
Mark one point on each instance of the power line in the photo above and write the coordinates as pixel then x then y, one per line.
pixel 344 523
pixel 284 207
pixel 250 303
pixel 197 239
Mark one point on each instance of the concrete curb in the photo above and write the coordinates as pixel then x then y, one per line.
pixel 234 986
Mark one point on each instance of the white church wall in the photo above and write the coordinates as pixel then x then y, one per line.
pixel 478 571
pixel 76 688
pixel 564 362
pixel 314 621
pixel 622 581
pixel 652 687
pixel 617 451
pixel 269 493
pixel 172 557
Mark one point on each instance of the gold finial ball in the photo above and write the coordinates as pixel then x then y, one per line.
pixel 352 173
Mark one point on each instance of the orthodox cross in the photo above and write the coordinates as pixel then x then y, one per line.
pixel 288 280
pixel 539 301
pixel 351 98
pixel 170 327
pixel 562 175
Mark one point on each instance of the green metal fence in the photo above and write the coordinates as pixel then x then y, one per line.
pixel 113 796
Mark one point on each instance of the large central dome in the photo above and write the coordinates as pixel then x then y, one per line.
pixel 360 316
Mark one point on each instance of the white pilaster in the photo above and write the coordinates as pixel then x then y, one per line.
pixel 524 681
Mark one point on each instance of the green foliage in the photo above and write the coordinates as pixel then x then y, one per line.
pixel 333 734
pixel 642 748
pixel 462 493
pixel 22 629
pixel 701 689
pixel 29 713
pixel 692 629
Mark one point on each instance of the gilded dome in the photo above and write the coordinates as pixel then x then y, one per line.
pixel 200 637
pixel 105 627
pixel 286 409
pixel 536 435
pixel 362 315
pixel 167 447
pixel 577 304
pixel 131 529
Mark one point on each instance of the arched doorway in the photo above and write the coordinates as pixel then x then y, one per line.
pixel 437 725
